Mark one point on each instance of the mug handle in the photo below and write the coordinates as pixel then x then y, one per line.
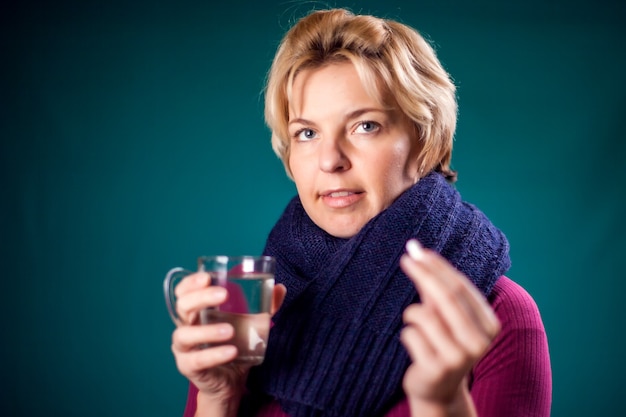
pixel 172 278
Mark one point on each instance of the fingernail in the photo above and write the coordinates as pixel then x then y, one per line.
pixel 225 330
pixel 414 249
pixel 202 278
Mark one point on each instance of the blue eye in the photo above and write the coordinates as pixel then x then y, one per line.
pixel 305 134
pixel 367 127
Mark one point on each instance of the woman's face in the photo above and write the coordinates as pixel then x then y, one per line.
pixel 350 158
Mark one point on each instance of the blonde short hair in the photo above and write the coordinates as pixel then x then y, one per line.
pixel 392 59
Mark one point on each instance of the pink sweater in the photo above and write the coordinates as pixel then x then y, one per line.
pixel 513 379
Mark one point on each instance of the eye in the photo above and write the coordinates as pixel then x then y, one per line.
pixel 305 134
pixel 367 127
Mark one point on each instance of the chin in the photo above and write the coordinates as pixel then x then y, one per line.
pixel 344 231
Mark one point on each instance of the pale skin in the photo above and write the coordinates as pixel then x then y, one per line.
pixel 350 159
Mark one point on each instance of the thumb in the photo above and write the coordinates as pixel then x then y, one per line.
pixel 278 297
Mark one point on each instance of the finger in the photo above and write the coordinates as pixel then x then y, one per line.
pixel 192 282
pixel 435 262
pixel 417 345
pixel 188 338
pixel 280 291
pixel 470 323
pixel 188 305
pixel 193 362
pixel 435 329
pixel 438 274
pixel 438 282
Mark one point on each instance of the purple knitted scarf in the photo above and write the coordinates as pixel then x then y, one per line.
pixel 334 349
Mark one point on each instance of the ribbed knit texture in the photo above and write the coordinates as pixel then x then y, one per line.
pixel 334 349
pixel 514 378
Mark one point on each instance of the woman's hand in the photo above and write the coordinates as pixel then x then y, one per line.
pixel 220 382
pixel 445 335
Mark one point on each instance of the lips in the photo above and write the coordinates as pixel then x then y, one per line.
pixel 341 198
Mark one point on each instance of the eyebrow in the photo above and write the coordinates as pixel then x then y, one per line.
pixel 352 115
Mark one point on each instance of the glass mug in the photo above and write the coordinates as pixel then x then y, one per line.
pixel 249 281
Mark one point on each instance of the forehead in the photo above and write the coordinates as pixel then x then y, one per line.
pixel 331 88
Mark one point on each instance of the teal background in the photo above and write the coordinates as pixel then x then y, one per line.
pixel 132 141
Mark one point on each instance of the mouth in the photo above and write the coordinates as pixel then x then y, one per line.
pixel 339 194
pixel 341 198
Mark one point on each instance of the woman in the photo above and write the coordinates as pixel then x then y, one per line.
pixel 363 116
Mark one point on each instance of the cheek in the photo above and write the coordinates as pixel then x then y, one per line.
pixel 293 164
pixel 399 172
pixel 403 160
pixel 299 172
pixel 391 178
pixel 406 154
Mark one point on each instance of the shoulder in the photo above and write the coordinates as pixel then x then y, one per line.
pixel 514 306
pixel 522 331
pixel 514 377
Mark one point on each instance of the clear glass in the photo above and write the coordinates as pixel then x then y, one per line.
pixel 249 281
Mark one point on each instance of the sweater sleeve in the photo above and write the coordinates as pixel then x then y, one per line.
pixel 514 378
pixel 190 406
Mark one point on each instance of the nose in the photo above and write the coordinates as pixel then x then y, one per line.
pixel 333 155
